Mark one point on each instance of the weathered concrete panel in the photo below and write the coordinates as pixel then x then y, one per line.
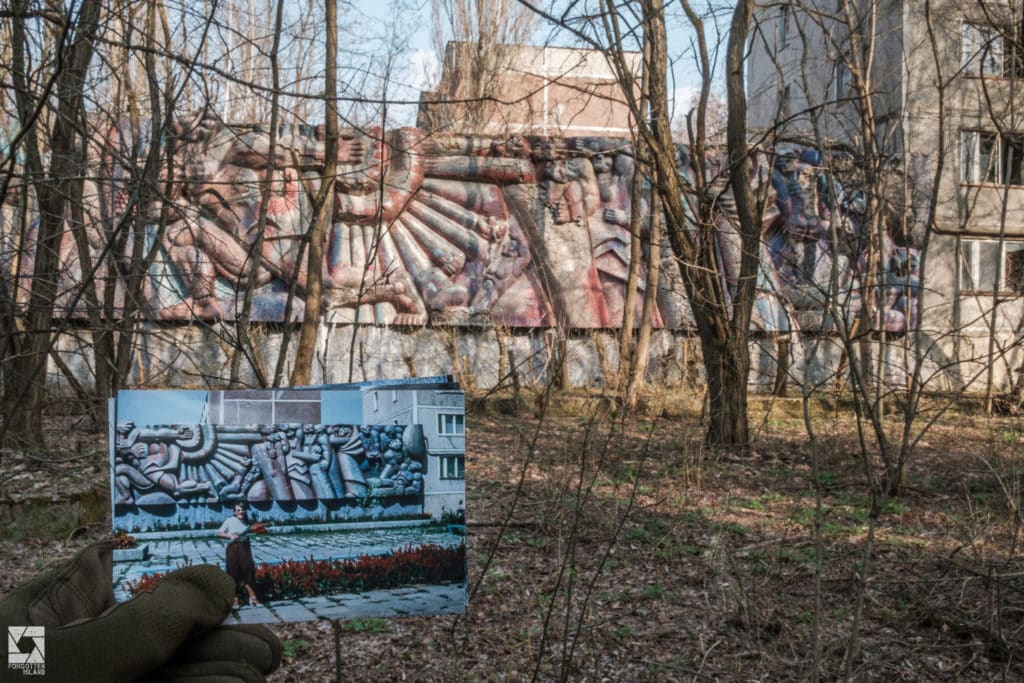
pixel 443 230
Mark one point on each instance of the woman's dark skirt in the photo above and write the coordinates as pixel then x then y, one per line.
pixel 240 563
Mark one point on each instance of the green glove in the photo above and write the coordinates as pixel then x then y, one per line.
pixel 168 634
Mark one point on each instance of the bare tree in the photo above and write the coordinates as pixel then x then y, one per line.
pixel 323 209
pixel 54 185
pixel 882 100
pixel 692 193
pixel 483 37
pixel 244 346
pixel 101 98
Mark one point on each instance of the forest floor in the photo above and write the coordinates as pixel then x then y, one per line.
pixel 605 548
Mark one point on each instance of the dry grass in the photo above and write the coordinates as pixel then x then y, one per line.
pixel 620 550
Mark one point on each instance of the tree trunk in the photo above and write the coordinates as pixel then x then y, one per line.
pixel 641 353
pixel 727 366
pixel 636 256
pixel 243 341
pixel 782 348
pixel 25 373
pixel 303 370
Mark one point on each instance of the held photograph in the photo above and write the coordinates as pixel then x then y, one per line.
pixel 339 502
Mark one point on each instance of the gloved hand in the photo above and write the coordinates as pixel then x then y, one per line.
pixel 168 634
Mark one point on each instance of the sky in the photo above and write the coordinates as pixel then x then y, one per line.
pixel 160 407
pixel 184 407
pixel 419 66
pixel 341 407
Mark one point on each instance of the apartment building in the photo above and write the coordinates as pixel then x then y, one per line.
pixel 441 412
pixel 945 83
pixel 531 90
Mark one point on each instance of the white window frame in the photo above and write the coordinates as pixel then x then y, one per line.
pixel 970 263
pixel 1001 165
pixel 453 466
pixel 982 52
pixel 971 168
pixel 451 424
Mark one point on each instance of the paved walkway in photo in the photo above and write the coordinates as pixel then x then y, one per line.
pixel 396 602
pixel 168 554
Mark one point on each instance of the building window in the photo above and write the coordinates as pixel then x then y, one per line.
pixel 784 28
pixel 1012 162
pixel 451 424
pixel 843 80
pixel 979 156
pixel 984 51
pixel 453 467
pixel 980 260
pixel 376 402
pixel 394 396
pixel 987 157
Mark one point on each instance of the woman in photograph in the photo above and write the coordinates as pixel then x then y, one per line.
pixel 240 564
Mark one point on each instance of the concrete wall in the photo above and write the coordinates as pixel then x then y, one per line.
pixel 192 357
pixel 198 356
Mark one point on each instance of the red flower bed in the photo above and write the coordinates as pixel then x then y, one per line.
pixel 404 567
pixel 306 578
pixel 122 540
pixel 147 582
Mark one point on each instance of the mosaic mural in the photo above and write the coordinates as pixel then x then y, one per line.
pixel 523 232
pixel 205 463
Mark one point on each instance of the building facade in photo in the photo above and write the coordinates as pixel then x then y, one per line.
pixel 441 412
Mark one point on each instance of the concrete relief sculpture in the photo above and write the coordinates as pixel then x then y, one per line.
pixel 167 465
pixel 521 232
pixel 808 198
